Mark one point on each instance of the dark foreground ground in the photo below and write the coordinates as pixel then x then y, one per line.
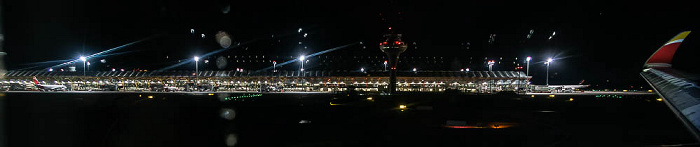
pixel 132 119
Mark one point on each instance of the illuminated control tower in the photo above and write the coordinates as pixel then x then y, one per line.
pixel 393 47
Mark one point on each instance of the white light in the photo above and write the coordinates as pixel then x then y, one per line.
pixel 414 69
pixel 305 34
pixel 549 60
pixel 302 58
pixel 206 61
pixel 528 58
pixel 192 31
pixel 202 35
pixel 50 69
pixel 82 58
pixel 302 69
pixel 88 63
pixel 467 69
pixel 103 61
pixel 554 33
pixel 196 58
pixel 299 30
pixel 362 69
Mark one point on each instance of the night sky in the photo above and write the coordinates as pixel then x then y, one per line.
pixel 595 40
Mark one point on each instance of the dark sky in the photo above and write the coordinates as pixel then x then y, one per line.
pixel 595 40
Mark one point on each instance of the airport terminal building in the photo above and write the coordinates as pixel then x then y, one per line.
pixel 277 81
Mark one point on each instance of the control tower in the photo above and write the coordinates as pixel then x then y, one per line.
pixel 393 47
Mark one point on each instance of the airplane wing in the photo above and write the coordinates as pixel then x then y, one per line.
pixel 678 89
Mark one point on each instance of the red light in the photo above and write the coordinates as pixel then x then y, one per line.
pixel 397 42
pixel 389 28
pixel 384 42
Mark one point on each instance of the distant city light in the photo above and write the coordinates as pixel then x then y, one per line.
pixel 362 69
pixel 461 69
pixel 202 35
pixel 103 61
pixel 50 69
pixel 467 69
pixel 192 31
pixel 88 63
pixel 305 34
pixel 414 69
pixel 113 69
pixel 299 30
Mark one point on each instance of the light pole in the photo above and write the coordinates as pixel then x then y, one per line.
pixel 196 67
pixel 301 59
pixel 274 66
pixel 385 63
pixel 82 58
pixel 549 61
pixel 527 71
pixel 491 62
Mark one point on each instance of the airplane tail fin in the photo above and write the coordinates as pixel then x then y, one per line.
pixel 664 55
pixel 36 82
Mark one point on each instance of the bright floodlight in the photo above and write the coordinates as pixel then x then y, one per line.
pixel 528 58
pixel 549 60
pixel 196 58
pixel 302 58
pixel 82 58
